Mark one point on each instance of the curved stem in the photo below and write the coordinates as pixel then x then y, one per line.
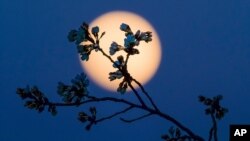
pixel 138 118
pixel 147 95
pixel 106 55
pixel 136 94
pixel 126 61
pixel 94 99
pixel 115 114
pixel 213 130
pixel 210 134
pixel 214 127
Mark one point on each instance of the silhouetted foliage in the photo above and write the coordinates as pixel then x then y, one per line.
pixel 216 112
pixel 174 134
pixel 77 94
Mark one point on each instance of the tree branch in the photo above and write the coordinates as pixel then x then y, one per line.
pixel 136 119
pixel 92 99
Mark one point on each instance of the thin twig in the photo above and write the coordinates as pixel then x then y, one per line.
pixel 126 61
pixel 215 128
pixel 95 99
pixel 211 134
pixel 106 55
pixel 137 95
pixel 147 95
pixel 136 119
pixel 115 114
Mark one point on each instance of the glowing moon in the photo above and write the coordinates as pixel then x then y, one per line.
pixel 141 66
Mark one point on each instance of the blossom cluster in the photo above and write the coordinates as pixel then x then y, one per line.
pixel 82 36
pixel 130 41
pixel 174 134
pixel 114 48
pixel 118 74
pixel 35 99
pixel 213 106
pixel 76 91
pixel 115 75
pixel 122 87
pixel 84 117
pixel 87 41
pixel 117 64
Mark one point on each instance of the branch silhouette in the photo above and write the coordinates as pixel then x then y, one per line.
pixel 77 93
pixel 138 118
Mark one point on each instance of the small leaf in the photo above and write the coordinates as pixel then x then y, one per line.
pixel 208 111
pixel 83 117
pixel 95 30
pixel 171 131
pixel 137 34
pixel 40 109
pixel 122 87
pixel 219 97
pixel 201 98
pixel 177 133
pixel 52 110
pixel 21 93
pixel 54 113
pixel 208 101
pixel 115 75
pixel 134 51
pixel 165 137
pixel 72 35
pixel 88 127
pixel 92 111
pixel 30 104
pixel 103 33
pixel 124 27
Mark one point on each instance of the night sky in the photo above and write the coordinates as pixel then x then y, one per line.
pixel 206 51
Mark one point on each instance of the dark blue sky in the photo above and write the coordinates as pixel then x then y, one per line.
pixel 206 50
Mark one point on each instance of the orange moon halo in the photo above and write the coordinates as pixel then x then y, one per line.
pixel 141 66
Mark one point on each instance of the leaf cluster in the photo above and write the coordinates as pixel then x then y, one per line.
pixel 75 92
pixel 85 40
pixel 90 118
pixel 213 106
pixel 174 134
pixel 131 40
pixel 35 99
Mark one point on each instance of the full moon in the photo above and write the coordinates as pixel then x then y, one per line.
pixel 141 66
